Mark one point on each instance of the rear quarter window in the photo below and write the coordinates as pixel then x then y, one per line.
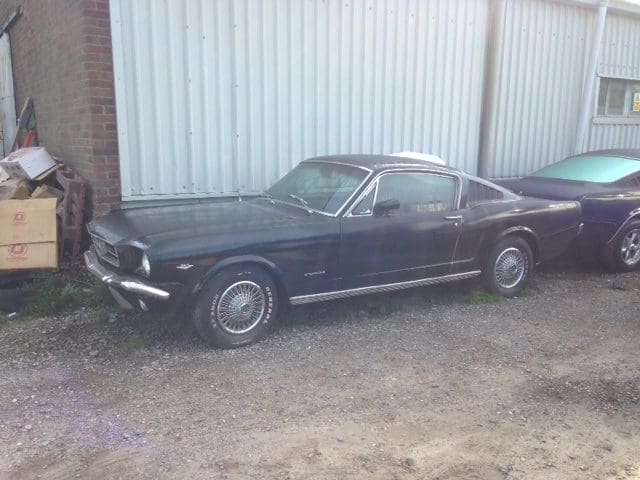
pixel 479 193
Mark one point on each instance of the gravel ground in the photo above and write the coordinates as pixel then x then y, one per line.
pixel 410 385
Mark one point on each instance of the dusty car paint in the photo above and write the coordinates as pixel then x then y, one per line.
pixel 312 254
pixel 606 207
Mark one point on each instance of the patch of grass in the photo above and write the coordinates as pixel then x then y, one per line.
pixel 103 313
pixel 52 296
pixel 134 343
pixel 100 296
pixel 395 303
pixel 525 292
pixel 54 293
pixel 480 297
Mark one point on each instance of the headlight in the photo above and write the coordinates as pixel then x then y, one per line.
pixel 145 265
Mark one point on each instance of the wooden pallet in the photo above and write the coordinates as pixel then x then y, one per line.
pixel 71 211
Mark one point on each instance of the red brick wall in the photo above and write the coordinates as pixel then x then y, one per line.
pixel 61 54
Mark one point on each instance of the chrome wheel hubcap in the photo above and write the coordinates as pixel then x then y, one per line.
pixel 510 267
pixel 630 249
pixel 241 307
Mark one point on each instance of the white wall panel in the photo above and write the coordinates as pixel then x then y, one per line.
pixel 542 67
pixel 620 54
pixel 619 57
pixel 7 99
pixel 215 97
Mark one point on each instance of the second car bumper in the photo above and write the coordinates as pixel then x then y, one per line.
pixel 123 282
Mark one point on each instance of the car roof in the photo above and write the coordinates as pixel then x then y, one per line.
pixel 632 153
pixel 382 162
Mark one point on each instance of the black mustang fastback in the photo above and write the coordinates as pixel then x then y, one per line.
pixel 333 227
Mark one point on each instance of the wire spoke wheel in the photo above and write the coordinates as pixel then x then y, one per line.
pixel 630 248
pixel 241 307
pixel 510 267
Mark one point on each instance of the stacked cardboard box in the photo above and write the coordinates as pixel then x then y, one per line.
pixel 28 225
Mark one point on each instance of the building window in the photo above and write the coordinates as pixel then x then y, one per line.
pixel 619 97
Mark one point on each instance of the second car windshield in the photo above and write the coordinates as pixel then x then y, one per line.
pixel 590 168
pixel 322 186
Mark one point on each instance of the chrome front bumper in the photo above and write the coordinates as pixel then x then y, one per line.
pixel 123 282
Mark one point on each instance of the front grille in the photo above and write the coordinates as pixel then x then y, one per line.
pixel 106 251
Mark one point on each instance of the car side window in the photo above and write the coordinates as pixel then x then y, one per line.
pixel 418 193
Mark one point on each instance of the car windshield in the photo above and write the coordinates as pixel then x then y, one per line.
pixel 587 168
pixel 321 186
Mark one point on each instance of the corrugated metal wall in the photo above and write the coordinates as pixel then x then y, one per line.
pixel 620 54
pixel 7 100
pixel 620 57
pixel 542 67
pixel 216 97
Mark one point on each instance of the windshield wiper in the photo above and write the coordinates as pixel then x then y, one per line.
pixel 268 197
pixel 302 201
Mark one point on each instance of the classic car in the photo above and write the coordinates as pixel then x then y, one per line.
pixel 607 184
pixel 331 228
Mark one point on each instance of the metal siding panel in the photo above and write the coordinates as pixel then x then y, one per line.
pixel 220 97
pixel 621 47
pixel 541 76
pixel 620 57
pixel 604 136
pixel 7 99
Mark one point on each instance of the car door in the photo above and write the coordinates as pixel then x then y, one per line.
pixel 414 241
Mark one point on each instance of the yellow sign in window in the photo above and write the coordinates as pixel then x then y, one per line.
pixel 636 102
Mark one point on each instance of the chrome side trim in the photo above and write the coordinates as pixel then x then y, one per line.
pixel 320 297
pixel 320 160
pixel 129 284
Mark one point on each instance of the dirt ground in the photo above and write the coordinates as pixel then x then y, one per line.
pixel 413 385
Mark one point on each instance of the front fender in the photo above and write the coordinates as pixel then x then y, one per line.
pixel 236 260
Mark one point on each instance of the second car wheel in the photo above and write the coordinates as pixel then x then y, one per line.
pixel 509 266
pixel 623 255
pixel 237 307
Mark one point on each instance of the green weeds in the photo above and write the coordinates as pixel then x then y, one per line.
pixel 480 297
pixel 134 343
pixel 53 294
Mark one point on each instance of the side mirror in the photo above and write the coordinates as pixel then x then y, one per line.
pixel 384 207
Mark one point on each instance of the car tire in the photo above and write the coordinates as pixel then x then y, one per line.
pixel 623 254
pixel 509 266
pixel 237 307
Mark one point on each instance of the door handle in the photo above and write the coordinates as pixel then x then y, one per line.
pixel 455 218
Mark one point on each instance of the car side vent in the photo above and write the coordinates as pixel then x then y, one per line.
pixel 479 193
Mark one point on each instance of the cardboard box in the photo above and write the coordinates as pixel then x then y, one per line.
pixel 15 188
pixel 47 191
pixel 28 234
pixel 31 163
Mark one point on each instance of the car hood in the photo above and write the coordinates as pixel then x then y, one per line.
pixel 146 225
